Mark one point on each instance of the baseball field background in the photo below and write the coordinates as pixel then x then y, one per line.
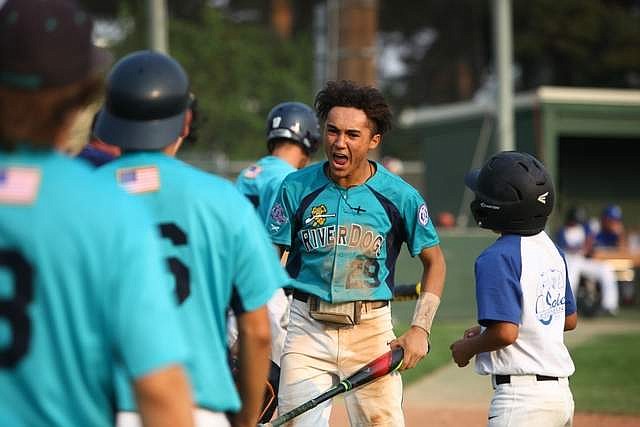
pixel 605 350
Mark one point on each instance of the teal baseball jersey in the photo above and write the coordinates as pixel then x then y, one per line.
pixel 260 182
pixel 82 288
pixel 219 254
pixel 344 242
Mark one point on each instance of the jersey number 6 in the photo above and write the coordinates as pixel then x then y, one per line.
pixel 180 271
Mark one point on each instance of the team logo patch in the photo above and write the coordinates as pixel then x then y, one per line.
pixel 252 172
pixel 423 214
pixel 19 185
pixel 318 216
pixel 278 215
pixel 550 298
pixel 142 179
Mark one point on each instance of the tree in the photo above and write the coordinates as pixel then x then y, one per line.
pixel 238 72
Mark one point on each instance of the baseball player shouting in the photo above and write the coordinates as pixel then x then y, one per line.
pixel 344 221
pixel 293 135
pixel 81 289
pixel 524 297
pixel 215 246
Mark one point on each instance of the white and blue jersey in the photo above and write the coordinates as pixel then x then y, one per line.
pixel 523 280
pixel 82 288
pixel 260 182
pixel 219 254
pixel 344 242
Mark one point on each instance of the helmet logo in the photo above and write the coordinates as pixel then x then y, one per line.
pixel 494 207
pixel 275 123
pixel 543 198
pixel 296 127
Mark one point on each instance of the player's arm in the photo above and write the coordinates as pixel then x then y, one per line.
pixel 281 250
pixel 415 340
pixel 254 341
pixel 164 398
pixel 496 336
pixel 570 322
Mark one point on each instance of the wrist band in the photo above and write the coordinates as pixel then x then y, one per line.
pixel 425 310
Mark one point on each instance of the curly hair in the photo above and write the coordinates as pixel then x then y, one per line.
pixel 346 93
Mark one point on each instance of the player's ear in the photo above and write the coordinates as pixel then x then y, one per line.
pixel 186 126
pixel 375 141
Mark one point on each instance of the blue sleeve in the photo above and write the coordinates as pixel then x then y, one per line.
pixel 419 228
pixel 257 269
pixel 570 306
pixel 498 291
pixel 279 218
pixel 144 310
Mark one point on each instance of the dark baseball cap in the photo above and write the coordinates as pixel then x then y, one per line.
pixel 46 43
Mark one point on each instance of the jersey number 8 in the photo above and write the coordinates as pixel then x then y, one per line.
pixel 14 310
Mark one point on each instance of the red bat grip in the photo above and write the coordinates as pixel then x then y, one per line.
pixel 377 368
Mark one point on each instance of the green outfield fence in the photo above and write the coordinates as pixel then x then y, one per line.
pixel 460 247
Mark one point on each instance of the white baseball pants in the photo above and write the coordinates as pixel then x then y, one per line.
pixel 317 354
pixel 528 402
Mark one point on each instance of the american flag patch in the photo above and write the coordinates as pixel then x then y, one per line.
pixel 19 185
pixel 252 172
pixel 142 179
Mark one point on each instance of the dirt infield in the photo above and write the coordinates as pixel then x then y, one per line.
pixel 421 416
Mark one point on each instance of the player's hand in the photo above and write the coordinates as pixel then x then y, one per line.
pixel 472 332
pixel 460 353
pixel 415 345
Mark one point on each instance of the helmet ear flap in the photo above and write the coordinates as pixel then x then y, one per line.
pixel 479 214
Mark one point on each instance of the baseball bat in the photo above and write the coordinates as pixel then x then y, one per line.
pixel 373 370
pixel 406 292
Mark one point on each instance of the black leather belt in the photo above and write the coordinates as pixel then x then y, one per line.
pixel 304 296
pixel 506 379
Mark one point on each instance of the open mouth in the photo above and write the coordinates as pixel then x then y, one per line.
pixel 340 159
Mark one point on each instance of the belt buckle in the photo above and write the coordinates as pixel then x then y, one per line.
pixel 348 313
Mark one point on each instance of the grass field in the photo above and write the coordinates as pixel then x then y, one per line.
pixel 607 377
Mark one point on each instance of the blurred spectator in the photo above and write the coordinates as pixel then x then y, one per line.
pixel 393 165
pixel 445 220
pixel 576 240
pixel 611 234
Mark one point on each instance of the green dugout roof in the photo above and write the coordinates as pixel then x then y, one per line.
pixel 589 139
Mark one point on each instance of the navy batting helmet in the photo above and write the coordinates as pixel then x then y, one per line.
pixel 147 97
pixel 514 193
pixel 295 121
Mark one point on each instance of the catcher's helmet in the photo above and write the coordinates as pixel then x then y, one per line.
pixel 514 193
pixel 147 96
pixel 295 121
